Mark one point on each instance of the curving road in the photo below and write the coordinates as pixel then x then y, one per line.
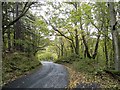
pixel 51 75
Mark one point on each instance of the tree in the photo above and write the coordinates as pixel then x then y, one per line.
pixel 10 20
pixel 88 20
pixel 1 43
pixel 25 9
pixel 57 26
pixel 115 35
pixel 23 31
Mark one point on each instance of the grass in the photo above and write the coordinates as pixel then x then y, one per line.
pixel 88 71
pixel 17 64
pixel 94 73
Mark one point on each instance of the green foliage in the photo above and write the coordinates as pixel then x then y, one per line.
pixel 92 66
pixel 16 64
pixel 115 72
pixel 68 59
pixel 47 56
pixel 94 73
pixel 85 65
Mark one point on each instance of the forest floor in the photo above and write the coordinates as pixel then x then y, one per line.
pixel 15 65
pixel 83 79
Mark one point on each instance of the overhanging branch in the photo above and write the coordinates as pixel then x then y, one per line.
pixel 21 15
pixel 55 29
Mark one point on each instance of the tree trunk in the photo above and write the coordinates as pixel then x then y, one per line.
pixel 116 42
pixel 4 20
pixel 1 43
pixel 14 29
pixel 96 47
pixel 76 42
pixel 76 4
pixel 61 46
pixel 8 35
pixel 71 47
pixel 17 29
pixel 115 35
pixel 65 51
pixel 86 53
pixel 86 48
pixel 106 50
pixel 62 52
pixel 58 51
pixel 9 40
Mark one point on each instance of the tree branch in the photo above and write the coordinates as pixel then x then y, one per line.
pixel 21 15
pixel 97 27
pixel 55 29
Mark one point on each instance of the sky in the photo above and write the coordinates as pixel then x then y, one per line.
pixel 41 11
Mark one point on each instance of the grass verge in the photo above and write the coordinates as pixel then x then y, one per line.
pixel 84 70
pixel 87 74
pixel 17 64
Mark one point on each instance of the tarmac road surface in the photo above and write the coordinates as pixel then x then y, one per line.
pixel 50 75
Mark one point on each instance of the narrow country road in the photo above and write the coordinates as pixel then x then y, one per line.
pixel 50 75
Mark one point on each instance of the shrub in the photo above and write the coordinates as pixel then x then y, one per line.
pixel 68 59
pixel 16 64
pixel 47 56
pixel 89 66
